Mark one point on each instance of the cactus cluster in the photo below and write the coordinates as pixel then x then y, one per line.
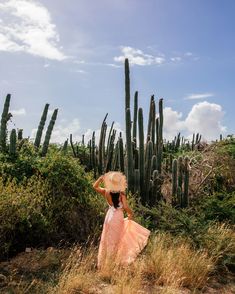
pixel 180 182
pixel 181 143
pixel 16 139
pixel 144 159
pixel 143 162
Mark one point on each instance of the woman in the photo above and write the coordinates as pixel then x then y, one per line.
pixel 121 239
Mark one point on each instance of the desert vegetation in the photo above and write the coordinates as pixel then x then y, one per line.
pixel 51 219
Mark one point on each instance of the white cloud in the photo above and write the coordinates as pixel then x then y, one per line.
pixel 173 123
pixel 26 26
pixel 138 57
pixel 20 111
pixel 199 96
pixel 204 118
pixel 176 59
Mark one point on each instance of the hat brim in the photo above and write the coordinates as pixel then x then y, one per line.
pixel 121 186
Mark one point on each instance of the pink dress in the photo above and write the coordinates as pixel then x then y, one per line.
pixel 121 239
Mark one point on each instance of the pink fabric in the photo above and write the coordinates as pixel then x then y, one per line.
pixel 121 239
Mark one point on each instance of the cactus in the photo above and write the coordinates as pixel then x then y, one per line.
pixel 120 153
pixel 149 130
pixel 93 157
pixel 12 147
pixel 109 138
pixel 174 181
pixel 111 151
pixel 130 169
pixel 141 151
pixel 149 154
pixel 137 181
pixel 153 123
pixel 5 117
pixel 156 195
pixel 153 163
pixel 135 116
pixel 41 126
pixel 65 146
pixel 20 134
pixel 49 132
pixel 186 183
pixel 129 152
pixel 101 147
pixel 127 85
pixel 180 172
pixel 72 145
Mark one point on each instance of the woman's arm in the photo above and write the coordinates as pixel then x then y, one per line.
pixel 97 187
pixel 126 207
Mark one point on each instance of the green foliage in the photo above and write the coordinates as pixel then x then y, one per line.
pixel 40 212
pixel 219 207
pixel 21 166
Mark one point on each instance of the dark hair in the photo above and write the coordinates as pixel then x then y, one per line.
pixel 115 198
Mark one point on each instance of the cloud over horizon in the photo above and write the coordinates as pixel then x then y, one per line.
pixel 204 118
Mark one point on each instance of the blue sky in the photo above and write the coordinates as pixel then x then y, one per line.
pixel 70 54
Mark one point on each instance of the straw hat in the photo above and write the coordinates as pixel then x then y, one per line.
pixel 115 181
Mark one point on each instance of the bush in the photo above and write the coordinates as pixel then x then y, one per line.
pixel 219 207
pixel 55 205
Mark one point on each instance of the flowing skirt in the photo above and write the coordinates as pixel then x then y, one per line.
pixel 121 239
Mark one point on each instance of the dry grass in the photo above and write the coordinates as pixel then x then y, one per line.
pixel 168 264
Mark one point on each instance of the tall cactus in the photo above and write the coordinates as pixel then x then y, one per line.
pixel 41 126
pixel 121 153
pixel 101 147
pixel 12 147
pixel 160 134
pixel 174 181
pixel 149 154
pixel 130 167
pixel 5 117
pixel 186 182
pixel 141 151
pixel 49 132
pixel 150 119
pixel 20 134
pixel 134 134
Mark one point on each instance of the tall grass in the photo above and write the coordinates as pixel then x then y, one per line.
pixel 167 264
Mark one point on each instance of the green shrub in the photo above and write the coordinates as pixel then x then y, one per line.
pixel 219 207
